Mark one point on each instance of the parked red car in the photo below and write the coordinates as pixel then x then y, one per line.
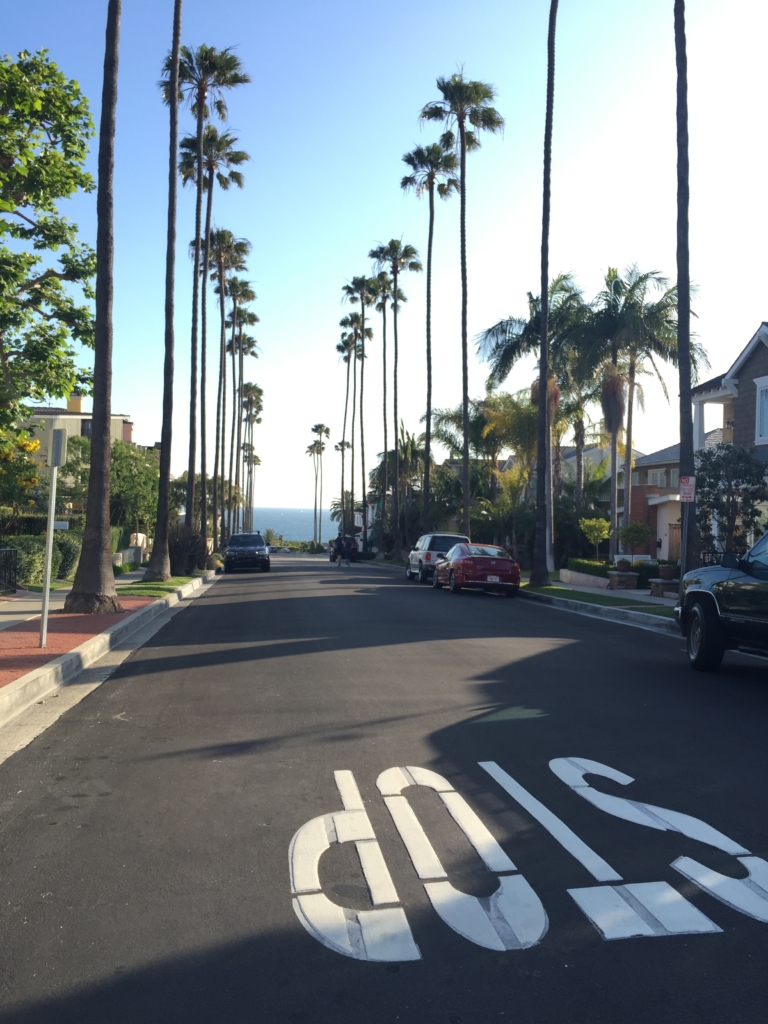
pixel 479 566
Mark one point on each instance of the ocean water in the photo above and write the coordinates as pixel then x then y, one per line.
pixel 293 523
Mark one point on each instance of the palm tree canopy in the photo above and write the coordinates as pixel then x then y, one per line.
pixel 227 251
pixel 431 166
pixel 396 257
pixel 464 100
pixel 219 158
pixel 204 74
pixel 359 290
pixel 381 290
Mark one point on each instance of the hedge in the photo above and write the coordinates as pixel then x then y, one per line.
pixel 31 558
pixel 591 568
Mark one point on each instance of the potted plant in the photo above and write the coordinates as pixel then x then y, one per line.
pixel 623 565
pixel 667 572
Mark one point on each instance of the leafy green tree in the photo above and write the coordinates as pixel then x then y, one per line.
pixel 74 474
pixel 134 475
pixel 466 107
pixel 45 126
pixel 205 73
pixel 19 473
pixel 432 169
pixel 636 535
pixel 596 531
pixel 159 568
pixel 93 590
pixel 397 258
pixel 730 487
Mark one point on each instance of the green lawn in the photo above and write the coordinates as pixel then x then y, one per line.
pixel 153 589
pixel 603 599
pixel 37 588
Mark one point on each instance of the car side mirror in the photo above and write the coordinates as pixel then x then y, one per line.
pixel 729 561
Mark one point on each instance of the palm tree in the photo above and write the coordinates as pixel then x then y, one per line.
pixel 464 101
pixel 345 348
pixel 159 561
pixel 93 590
pixel 360 290
pixel 381 290
pixel 321 431
pixel 204 74
pixel 353 326
pixel 314 450
pixel 432 167
pixel 227 255
pixel 240 291
pixel 253 404
pixel 219 157
pixel 246 345
pixel 343 447
pixel 687 464
pixel 396 257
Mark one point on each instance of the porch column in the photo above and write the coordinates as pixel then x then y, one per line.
pixel 699 438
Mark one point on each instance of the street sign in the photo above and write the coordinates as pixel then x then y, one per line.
pixel 687 488
pixel 61 524
pixel 57 447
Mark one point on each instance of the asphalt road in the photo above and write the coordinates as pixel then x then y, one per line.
pixel 144 837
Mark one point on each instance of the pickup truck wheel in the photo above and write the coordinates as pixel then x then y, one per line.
pixel 408 571
pixel 422 574
pixel 704 639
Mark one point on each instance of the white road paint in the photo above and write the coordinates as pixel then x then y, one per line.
pixel 375 935
pixel 600 869
pixel 641 910
pixel 572 770
pixel 749 895
pixel 513 917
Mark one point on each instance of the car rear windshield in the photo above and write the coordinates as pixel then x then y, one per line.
pixel 445 543
pixel 246 540
pixel 481 551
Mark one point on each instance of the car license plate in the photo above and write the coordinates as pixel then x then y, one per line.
pixel 492 579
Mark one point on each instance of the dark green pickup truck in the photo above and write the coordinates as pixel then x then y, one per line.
pixel 725 607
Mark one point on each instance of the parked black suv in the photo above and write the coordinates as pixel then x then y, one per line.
pixel 246 551
pixel 725 607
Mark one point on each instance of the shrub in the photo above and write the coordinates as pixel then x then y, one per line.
pixel 366 556
pixel 187 551
pixel 214 561
pixel 69 547
pixel 31 558
pixel 595 530
pixel 636 535
pixel 589 567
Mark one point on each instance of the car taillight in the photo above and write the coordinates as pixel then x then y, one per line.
pixel 467 563
pixel 428 557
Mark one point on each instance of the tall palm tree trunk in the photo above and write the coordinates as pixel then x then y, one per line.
pixel 690 553
pixel 190 507
pixel 159 562
pixel 384 410
pixel 464 352
pixel 203 347
pixel 628 456
pixel 362 430
pixel 396 481
pixel 230 527
pixel 219 402
pixel 578 438
pixel 320 522
pixel 352 449
pixel 428 437
pixel 238 477
pixel 93 591
pixel 613 542
pixel 224 533
pixel 344 455
pixel 540 568
pixel 314 519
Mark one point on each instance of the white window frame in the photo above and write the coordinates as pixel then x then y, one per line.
pixel 658 473
pixel 761 384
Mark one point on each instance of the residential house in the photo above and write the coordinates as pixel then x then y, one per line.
pixel 45 418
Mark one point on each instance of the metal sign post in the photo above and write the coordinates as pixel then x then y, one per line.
pixel 57 456
pixel 687 499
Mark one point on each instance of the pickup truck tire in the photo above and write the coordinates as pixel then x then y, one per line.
pixel 703 638
pixel 422 576
pixel 408 571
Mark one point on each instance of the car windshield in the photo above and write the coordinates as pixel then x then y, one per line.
pixel 246 540
pixel 444 543
pixel 481 551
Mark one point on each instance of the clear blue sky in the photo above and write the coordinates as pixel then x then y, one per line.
pixel 333 106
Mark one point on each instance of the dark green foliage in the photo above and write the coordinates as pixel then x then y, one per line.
pixel 589 567
pixel 187 551
pixel 69 545
pixel 730 485
pixel 636 535
pixel 31 563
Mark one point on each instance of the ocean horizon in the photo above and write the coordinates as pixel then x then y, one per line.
pixel 293 523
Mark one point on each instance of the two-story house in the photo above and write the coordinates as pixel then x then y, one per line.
pixel 45 418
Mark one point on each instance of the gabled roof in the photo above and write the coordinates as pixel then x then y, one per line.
pixel 672 454
pixel 760 335
pixel 709 385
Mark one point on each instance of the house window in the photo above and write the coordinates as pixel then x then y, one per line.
pixel 635 477
pixel 761 418
pixel 674 478
pixel 657 477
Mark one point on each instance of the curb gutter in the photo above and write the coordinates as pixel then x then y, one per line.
pixel 28 689
pixel 659 623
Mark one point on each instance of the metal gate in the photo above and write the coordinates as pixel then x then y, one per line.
pixel 8 568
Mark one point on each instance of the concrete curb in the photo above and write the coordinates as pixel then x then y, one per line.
pixel 659 623
pixel 28 689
